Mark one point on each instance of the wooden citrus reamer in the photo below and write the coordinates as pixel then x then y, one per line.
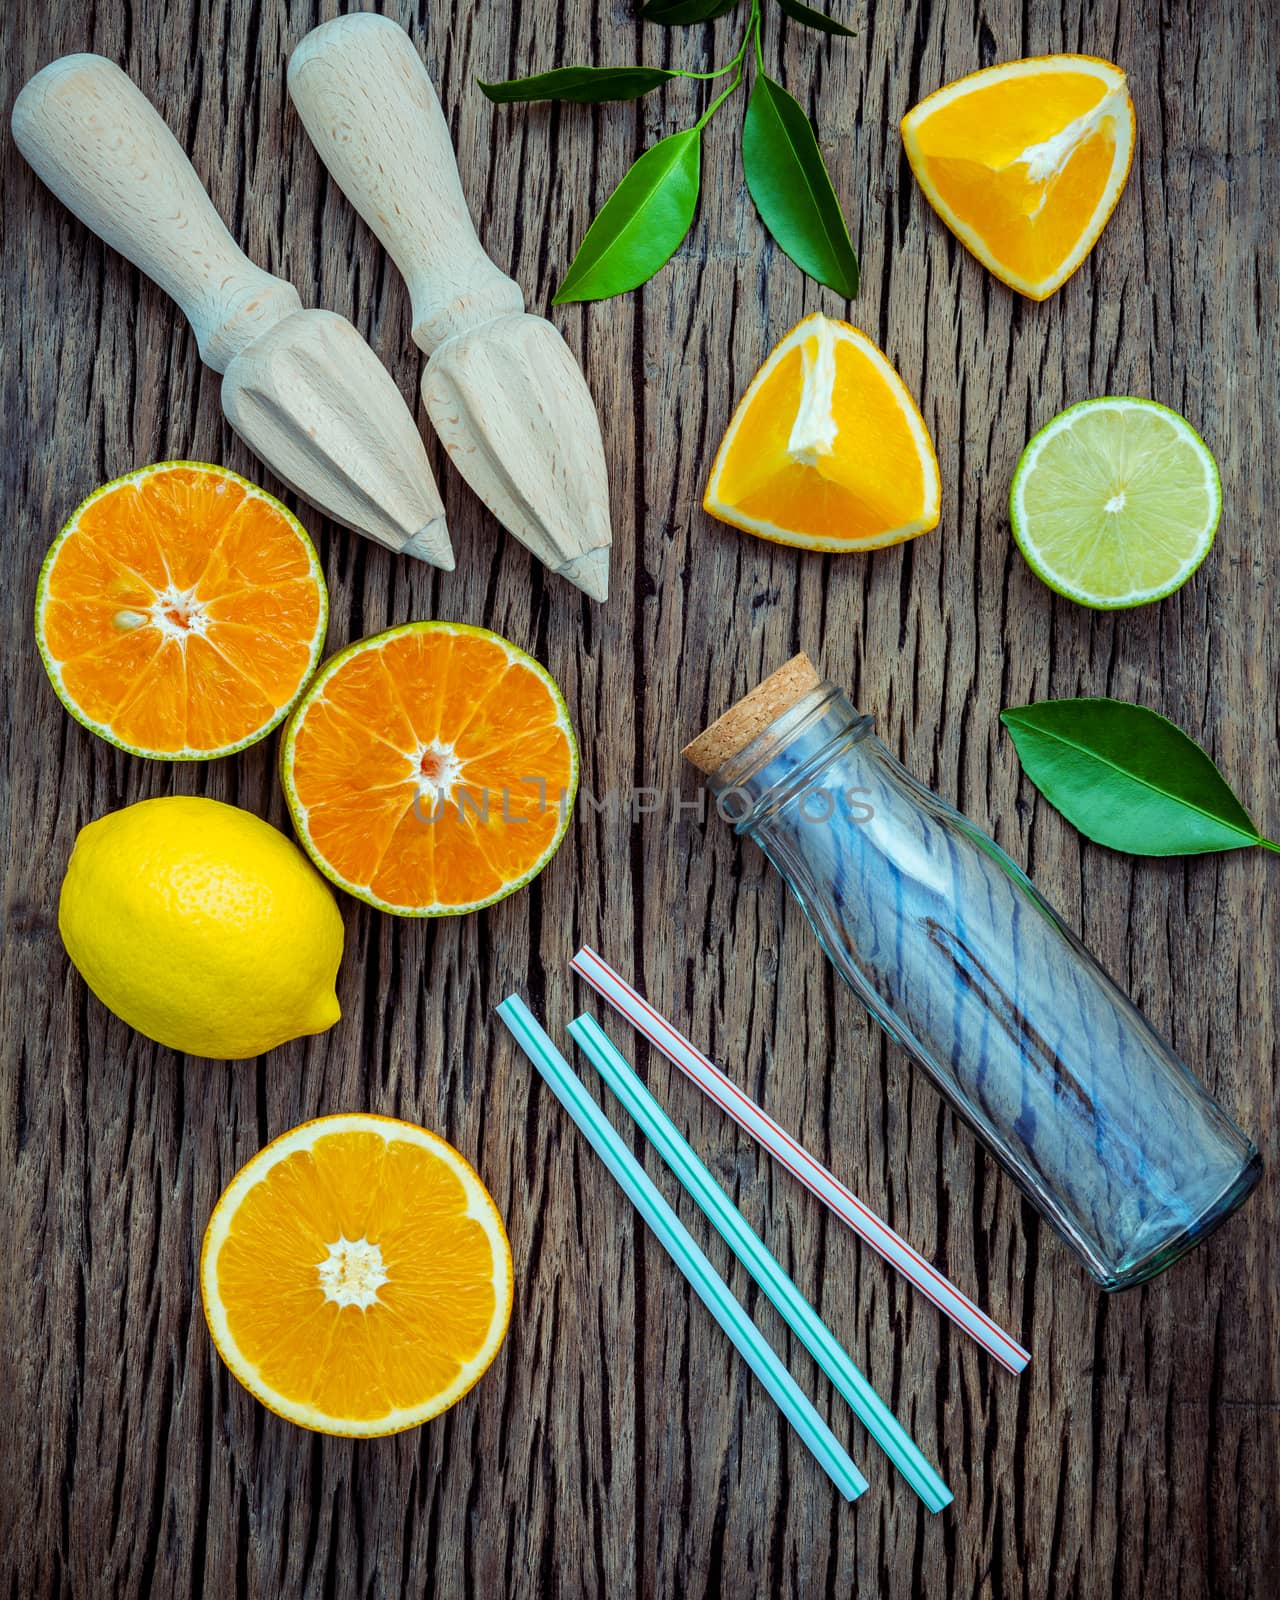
pixel 302 388
pixel 502 388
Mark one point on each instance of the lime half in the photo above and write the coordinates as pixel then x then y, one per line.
pixel 1115 502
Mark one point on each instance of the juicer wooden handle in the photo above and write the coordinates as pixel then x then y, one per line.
pixel 104 150
pixel 365 98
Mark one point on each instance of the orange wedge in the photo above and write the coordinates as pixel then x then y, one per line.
pixel 431 769
pixel 1025 162
pixel 356 1276
pixel 180 612
pixel 826 450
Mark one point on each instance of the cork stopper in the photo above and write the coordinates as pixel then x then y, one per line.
pixel 752 715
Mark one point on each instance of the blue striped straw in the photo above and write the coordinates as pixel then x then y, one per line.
pixel 671 1233
pixel 760 1262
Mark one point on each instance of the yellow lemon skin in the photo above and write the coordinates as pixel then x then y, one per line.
pixel 203 927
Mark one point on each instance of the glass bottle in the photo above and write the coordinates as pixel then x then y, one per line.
pixel 956 954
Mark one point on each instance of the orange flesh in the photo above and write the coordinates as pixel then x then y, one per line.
pixel 970 149
pixel 874 479
pixel 432 1315
pixel 227 572
pixel 413 708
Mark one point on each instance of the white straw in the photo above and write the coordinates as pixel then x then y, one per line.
pixel 815 1177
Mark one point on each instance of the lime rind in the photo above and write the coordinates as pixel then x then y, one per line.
pixel 54 670
pixel 1147 547
pixel 298 811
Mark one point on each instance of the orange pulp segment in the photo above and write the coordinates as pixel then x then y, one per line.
pixel 430 769
pixel 356 1275
pixel 1025 162
pixel 827 449
pixel 180 612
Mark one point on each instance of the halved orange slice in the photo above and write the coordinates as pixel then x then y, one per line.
pixel 431 769
pixel 827 450
pixel 1025 162
pixel 356 1275
pixel 180 612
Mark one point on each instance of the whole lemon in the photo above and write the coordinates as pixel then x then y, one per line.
pixel 202 926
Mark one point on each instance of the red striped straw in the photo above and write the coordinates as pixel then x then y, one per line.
pixel 815 1177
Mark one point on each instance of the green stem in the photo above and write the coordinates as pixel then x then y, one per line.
pixel 723 95
pixel 716 72
pixel 1270 844
pixel 738 62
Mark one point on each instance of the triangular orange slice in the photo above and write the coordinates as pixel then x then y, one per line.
pixel 1025 162
pixel 826 450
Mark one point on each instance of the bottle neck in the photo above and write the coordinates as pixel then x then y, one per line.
pixel 756 781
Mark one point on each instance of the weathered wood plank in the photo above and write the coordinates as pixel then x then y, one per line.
pixel 617 1447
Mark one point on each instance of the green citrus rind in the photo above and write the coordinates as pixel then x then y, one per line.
pixel 1018 519
pixel 53 668
pixel 297 810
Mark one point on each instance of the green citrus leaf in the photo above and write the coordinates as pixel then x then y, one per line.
pixel 641 224
pixel 671 12
pixel 581 85
pixel 815 19
pixel 792 189
pixel 1128 778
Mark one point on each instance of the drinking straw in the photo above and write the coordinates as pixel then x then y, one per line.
pixel 815 1177
pixel 760 1262
pixel 671 1233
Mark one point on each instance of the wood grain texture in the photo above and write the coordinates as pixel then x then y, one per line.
pixel 617 1447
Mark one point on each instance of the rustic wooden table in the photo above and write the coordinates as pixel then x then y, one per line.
pixel 618 1447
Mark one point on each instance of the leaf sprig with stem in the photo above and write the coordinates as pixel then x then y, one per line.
pixel 645 219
